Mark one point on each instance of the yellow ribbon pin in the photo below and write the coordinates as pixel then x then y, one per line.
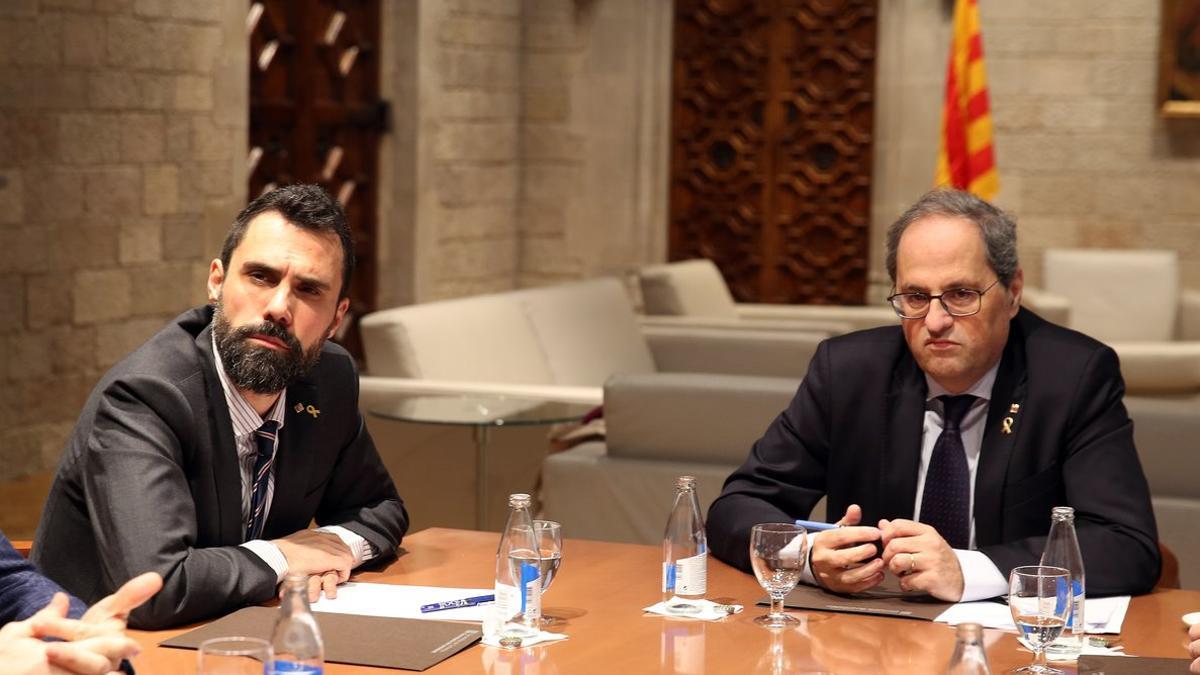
pixel 1006 425
pixel 312 410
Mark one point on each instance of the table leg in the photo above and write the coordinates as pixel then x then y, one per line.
pixel 481 433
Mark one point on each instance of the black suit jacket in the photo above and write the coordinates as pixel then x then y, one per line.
pixel 149 480
pixel 853 432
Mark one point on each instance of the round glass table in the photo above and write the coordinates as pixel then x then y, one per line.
pixel 482 413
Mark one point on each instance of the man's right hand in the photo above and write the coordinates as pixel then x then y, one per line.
pixel 840 556
pixel 321 556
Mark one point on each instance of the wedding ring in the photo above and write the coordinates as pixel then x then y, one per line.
pixel 912 563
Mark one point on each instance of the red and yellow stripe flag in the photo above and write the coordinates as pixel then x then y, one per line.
pixel 965 160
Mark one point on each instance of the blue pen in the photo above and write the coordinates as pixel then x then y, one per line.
pixel 814 526
pixel 455 604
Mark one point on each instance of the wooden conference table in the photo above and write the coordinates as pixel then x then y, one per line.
pixel 604 586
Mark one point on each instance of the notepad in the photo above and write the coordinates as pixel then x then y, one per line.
pixel 401 601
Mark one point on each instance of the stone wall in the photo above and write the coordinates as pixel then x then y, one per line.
pixel 122 137
pixel 526 145
pixel 1084 158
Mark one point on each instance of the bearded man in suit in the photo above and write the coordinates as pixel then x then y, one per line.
pixel 949 438
pixel 206 453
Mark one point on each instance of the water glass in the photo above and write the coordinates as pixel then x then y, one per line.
pixel 778 552
pixel 1039 598
pixel 234 656
pixel 549 539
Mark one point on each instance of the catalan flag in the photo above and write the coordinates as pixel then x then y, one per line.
pixel 965 160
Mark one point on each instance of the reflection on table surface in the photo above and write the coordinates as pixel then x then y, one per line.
pixel 604 587
pixel 479 410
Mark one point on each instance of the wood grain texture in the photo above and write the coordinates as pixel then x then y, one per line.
pixel 771 150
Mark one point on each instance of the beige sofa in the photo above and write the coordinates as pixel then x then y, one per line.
pixel 693 292
pixel 659 428
pixel 558 343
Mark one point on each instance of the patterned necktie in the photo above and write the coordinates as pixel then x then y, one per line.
pixel 264 441
pixel 946 501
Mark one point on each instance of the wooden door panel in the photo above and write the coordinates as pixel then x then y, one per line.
pixel 772 114
pixel 316 116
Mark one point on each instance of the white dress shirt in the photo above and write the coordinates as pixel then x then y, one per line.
pixel 246 421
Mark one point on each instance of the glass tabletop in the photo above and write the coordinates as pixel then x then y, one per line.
pixel 480 410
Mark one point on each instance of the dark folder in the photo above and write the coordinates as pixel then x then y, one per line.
pixel 1124 665
pixel 411 644
pixel 884 600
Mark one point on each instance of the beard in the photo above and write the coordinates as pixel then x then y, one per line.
pixel 261 370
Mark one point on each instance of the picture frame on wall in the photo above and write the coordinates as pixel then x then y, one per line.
pixel 1179 59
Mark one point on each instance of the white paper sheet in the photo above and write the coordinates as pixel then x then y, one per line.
pixel 1103 615
pixel 402 601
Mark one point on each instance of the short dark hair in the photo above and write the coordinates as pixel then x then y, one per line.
pixel 998 229
pixel 306 206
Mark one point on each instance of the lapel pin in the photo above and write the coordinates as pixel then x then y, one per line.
pixel 1014 408
pixel 299 408
pixel 1006 425
pixel 312 410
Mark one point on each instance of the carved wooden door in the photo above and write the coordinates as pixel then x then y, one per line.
pixel 316 116
pixel 772 114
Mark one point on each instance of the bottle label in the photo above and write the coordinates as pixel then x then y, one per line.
pixel 687 576
pixel 508 602
pixel 280 666
pixel 531 583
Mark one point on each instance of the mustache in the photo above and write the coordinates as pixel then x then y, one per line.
pixel 273 330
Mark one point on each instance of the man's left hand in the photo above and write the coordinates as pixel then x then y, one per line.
pixel 923 561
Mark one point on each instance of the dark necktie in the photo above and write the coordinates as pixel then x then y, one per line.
pixel 946 501
pixel 264 441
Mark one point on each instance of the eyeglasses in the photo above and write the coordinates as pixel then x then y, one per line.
pixel 956 302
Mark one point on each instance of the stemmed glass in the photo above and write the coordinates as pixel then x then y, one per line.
pixel 778 552
pixel 234 656
pixel 1039 598
pixel 549 540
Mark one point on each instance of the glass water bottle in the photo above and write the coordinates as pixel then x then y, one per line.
pixel 1062 550
pixel 969 657
pixel 518 570
pixel 685 551
pixel 296 639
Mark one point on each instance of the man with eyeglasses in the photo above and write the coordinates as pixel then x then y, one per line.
pixel 949 438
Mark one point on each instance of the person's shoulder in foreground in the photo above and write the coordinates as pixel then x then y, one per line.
pixel 205 454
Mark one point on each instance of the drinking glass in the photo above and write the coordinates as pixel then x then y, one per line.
pixel 778 552
pixel 234 656
pixel 1039 598
pixel 549 540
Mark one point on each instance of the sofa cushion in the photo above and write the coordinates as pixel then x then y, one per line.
pixel 1117 295
pixel 671 416
pixel 1159 367
pixel 692 288
pixel 587 331
pixel 484 338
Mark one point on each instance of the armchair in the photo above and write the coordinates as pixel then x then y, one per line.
pixel 1132 301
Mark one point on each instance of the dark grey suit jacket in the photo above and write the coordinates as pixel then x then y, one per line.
pixel 853 432
pixel 149 480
